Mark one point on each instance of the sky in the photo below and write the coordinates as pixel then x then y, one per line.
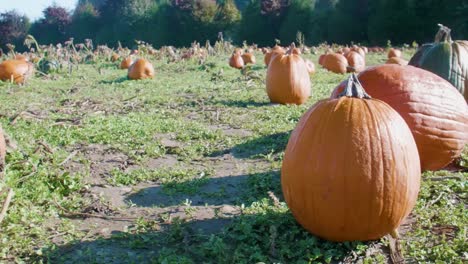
pixel 33 8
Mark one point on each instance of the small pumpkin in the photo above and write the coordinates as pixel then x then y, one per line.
pixel 236 61
pixel 397 60
pixel 446 58
pixel 336 63
pixel 249 58
pixel 287 80
pixel 17 71
pixel 274 51
pixel 435 111
pixel 339 170
pixel 126 63
pixel 393 53
pixel 115 57
pixel 356 62
pixel 141 69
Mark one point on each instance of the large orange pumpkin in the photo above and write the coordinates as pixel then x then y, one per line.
pixel 274 51
pixel 435 111
pixel 351 168
pixel 335 62
pixel 356 62
pixel 126 63
pixel 141 69
pixel 17 71
pixel 287 80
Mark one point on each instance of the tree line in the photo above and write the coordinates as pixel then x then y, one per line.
pixel 180 22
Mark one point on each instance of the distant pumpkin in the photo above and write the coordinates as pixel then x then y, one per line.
pixel 288 80
pixel 115 57
pixel 126 63
pixel 397 60
pixel 336 63
pixel 249 58
pixel 356 62
pixel 394 53
pixel 236 61
pixel 141 69
pixel 17 71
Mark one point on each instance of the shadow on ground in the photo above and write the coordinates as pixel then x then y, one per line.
pixel 229 190
pixel 118 80
pixel 270 236
pixel 242 103
pixel 257 147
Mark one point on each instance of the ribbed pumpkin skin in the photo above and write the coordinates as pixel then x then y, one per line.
pixel 433 109
pixel 449 61
pixel 236 61
pixel 141 69
pixel 416 59
pixel 17 70
pixel 287 80
pixel 351 170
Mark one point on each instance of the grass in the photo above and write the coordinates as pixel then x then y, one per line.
pixel 214 123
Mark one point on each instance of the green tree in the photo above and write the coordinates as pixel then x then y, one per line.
pixel 349 22
pixel 13 29
pixel 298 18
pixel 85 21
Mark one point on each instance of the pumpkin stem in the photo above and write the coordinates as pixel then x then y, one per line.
pixel 354 89
pixel 443 35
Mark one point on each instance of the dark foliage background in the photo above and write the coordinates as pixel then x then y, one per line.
pixel 180 22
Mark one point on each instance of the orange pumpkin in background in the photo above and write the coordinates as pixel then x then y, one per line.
pixel 236 61
pixel 397 60
pixel 126 63
pixel 287 80
pixel 393 53
pixel 141 69
pixel 435 111
pixel 336 63
pixel 17 71
pixel 340 177
pixel 248 58
pixel 356 62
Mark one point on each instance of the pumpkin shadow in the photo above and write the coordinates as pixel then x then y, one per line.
pixel 118 80
pixel 270 236
pixel 257 147
pixel 214 191
pixel 242 103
